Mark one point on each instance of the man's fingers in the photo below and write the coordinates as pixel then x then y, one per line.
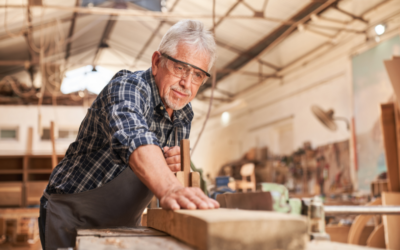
pixel 185 203
pixel 173 160
pixel 172 151
pixel 175 167
pixel 204 198
pixel 170 204
pixel 166 149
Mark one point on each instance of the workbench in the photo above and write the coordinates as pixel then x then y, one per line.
pixel 150 239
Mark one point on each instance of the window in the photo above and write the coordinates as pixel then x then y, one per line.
pixel 9 133
pixel 63 133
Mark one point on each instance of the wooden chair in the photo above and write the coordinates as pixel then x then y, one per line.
pixel 247 170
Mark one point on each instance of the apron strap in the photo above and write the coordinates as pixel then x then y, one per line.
pixel 46 195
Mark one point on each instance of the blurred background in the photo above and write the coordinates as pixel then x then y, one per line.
pixel 297 94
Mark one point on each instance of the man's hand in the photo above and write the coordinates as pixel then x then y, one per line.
pixel 173 157
pixel 187 198
pixel 149 165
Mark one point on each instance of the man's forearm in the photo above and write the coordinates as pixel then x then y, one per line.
pixel 149 165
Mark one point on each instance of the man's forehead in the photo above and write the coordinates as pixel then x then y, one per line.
pixel 190 54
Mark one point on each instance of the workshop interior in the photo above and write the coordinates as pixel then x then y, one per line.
pixel 295 133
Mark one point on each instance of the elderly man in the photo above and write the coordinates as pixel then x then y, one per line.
pixel 135 121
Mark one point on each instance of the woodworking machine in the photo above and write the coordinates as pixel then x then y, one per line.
pixel 314 209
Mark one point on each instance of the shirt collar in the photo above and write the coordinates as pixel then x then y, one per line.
pixel 186 113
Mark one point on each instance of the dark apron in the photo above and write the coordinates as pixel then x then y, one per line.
pixel 118 203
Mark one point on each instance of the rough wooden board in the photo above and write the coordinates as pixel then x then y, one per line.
pixel 232 229
pixel 390 141
pixel 392 68
pixel 377 238
pixel 185 160
pixel 249 201
pixel 131 243
pixel 194 179
pixel 120 232
pixel 391 223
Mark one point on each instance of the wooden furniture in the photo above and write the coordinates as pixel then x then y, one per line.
pixel 377 238
pixel 338 233
pixel 185 177
pixel 249 201
pixel 391 223
pixel 357 233
pixel 232 228
pixel 379 186
pixel 19 228
pixel 391 138
pixel 147 238
pixel 23 178
pixel 247 171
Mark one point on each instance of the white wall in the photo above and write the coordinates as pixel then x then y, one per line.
pixel 324 79
pixel 28 116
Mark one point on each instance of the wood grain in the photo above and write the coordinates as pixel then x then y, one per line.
pixel 194 179
pixel 391 223
pixel 357 228
pixel 249 201
pixel 185 160
pixel 232 229
pixel 377 238
pixel 390 141
pixel 53 146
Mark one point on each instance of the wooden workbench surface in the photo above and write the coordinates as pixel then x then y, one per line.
pixel 147 238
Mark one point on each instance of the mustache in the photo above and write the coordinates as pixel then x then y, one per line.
pixel 185 91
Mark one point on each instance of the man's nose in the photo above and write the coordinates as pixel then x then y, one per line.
pixel 186 81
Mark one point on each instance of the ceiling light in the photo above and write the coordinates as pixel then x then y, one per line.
pixel 225 118
pixel 380 29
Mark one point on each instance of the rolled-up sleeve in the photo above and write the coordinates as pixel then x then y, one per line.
pixel 126 119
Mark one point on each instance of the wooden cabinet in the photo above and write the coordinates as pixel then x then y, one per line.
pixel 23 178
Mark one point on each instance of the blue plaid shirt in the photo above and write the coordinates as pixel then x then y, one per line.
pixel 128 113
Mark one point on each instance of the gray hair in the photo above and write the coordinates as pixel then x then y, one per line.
pixel 189 32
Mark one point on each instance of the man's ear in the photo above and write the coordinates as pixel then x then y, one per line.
pixel 155 62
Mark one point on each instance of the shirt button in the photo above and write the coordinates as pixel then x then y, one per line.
pixel 161 108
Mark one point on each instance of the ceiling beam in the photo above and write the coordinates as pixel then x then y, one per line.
pixel 71 32
pixel 103 40
pixel 273 38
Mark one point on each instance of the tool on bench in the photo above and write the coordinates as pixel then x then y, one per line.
pixel 187 178
pixel 313 208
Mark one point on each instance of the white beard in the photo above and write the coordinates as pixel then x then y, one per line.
pixel 174 105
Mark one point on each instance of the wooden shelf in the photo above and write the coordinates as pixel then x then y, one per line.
pixel 39 171
pixel 11 171
pixel 23 178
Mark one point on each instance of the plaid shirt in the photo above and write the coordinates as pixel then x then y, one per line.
pixel 126 114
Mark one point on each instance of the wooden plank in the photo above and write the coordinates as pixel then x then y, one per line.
pixel 249 201
pixel 338 233
pixel 53 146
pixel 185 160
pixel 194 179
pixel 391 223
pixel 131 243
pixel 357 228
pixel 390 142
pixel 232 228
pixel 29 141
pixel 397 120
pixel 11 194
pixel 120 232
pixel 377 238
pixel 392 68
pixel 34 190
